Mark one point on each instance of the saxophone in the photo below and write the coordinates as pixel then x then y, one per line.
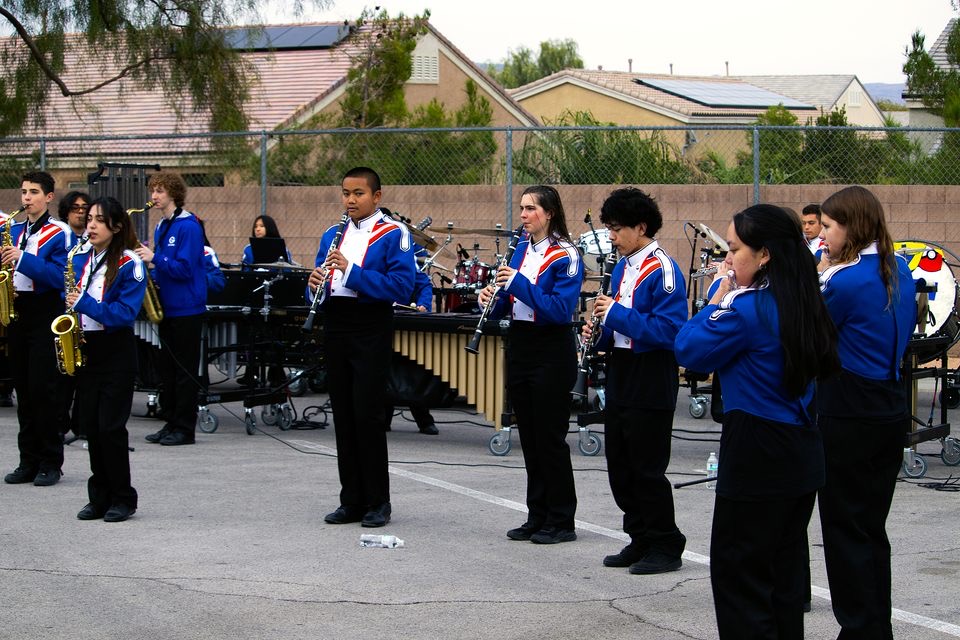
pixel 7 313
pixel 151 300
pixel 67 331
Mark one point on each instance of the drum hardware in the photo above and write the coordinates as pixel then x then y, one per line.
pixel 427 263
pixel 265 310
pixel 603 250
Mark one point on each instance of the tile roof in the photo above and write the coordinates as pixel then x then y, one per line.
pixel 939 49
pixel 289 85
pixel 817 90
pixel 624 83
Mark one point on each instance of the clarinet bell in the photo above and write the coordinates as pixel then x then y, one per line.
pixel 580 388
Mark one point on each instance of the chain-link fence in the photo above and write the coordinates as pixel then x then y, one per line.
pixel 472 177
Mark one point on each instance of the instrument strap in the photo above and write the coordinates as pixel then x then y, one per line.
pixel 33 228
pixel 96 267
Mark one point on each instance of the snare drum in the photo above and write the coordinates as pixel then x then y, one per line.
pixel 928 262
pixel 588 243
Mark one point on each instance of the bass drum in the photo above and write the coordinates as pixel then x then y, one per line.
pixel 589 246
pixel 931 263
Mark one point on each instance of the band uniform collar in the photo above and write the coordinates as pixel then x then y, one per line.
pixel 637 257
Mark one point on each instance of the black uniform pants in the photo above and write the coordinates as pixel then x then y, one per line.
pixel 36 380
pixel 756 567
pixel 358 363
pixel 863 457
pixel 638 452
pixel 179 371
pixel 541 370
pixel 105 393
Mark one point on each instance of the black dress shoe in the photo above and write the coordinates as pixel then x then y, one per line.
pixel 627 556
pixel 118 513
pixel 175 438
pixel 430 429
pixel 47 478
pixel 344 515
pixel 524 531
pixel 553 535
pixel 158 436
pixel 656 562
pixel 377 517
pixel 90 512
pixel 20 475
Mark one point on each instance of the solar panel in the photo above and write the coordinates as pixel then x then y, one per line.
pixel 723 94
pixel 308 36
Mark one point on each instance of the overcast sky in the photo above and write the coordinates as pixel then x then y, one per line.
pixel 861 37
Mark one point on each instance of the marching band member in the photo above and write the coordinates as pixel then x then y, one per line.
pixel 541 289
pixel 863 411
pixel 810 219
pixel 768 334
pixel 109 294
pixel 38 254
pixel 72 210
pixel 370 268
pixel 639 327
pixel 180 274
pixel 263 227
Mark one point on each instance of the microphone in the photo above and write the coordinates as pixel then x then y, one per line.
pixel 445 280
pixel 462 253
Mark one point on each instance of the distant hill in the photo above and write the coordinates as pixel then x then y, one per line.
pixel 885 91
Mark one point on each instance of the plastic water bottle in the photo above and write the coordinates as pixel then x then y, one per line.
pixel 385 542
pixel 712 465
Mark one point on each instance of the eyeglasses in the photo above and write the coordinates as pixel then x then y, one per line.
pixel 80 207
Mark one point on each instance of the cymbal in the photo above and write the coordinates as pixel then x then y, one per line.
pixel 422 238
pixel 493 233
pixel 279 265
pixel 433 265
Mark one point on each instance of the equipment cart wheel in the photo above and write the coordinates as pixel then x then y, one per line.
pixel 950 397
pixel 589 443
pixel 250 422
pixel 270 414
pixel 206 421
pixel 950 454
pixel 500 443
pixel 914 466
pixel 698 406
pixel 286 417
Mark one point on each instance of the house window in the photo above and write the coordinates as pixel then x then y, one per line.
pixel 426 69
pixel 856 98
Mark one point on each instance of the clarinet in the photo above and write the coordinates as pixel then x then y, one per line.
pixel 587 347
pixel 473 347
pixel 308 323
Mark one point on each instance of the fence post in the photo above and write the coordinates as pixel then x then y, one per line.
pixel 43 154
pixel 509 180
pixel 756 165
pixel 263 173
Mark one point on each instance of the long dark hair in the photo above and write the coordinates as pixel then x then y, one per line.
pixel 548 198
pixel 117 219
pixel 807 333
pixel 861 214
pixel 269 225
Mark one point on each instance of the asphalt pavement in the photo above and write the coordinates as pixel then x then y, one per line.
pixel 229 542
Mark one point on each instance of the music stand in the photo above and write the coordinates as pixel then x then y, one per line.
pixel 267 250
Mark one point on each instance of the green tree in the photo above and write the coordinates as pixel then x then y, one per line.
pixel 179 48
pixel 586 154
pixel 520 68
pixel 378 72
pixel 938 88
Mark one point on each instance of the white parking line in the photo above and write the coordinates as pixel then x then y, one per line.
pixel 820 592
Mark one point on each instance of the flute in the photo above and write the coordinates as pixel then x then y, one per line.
pixel 308 323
